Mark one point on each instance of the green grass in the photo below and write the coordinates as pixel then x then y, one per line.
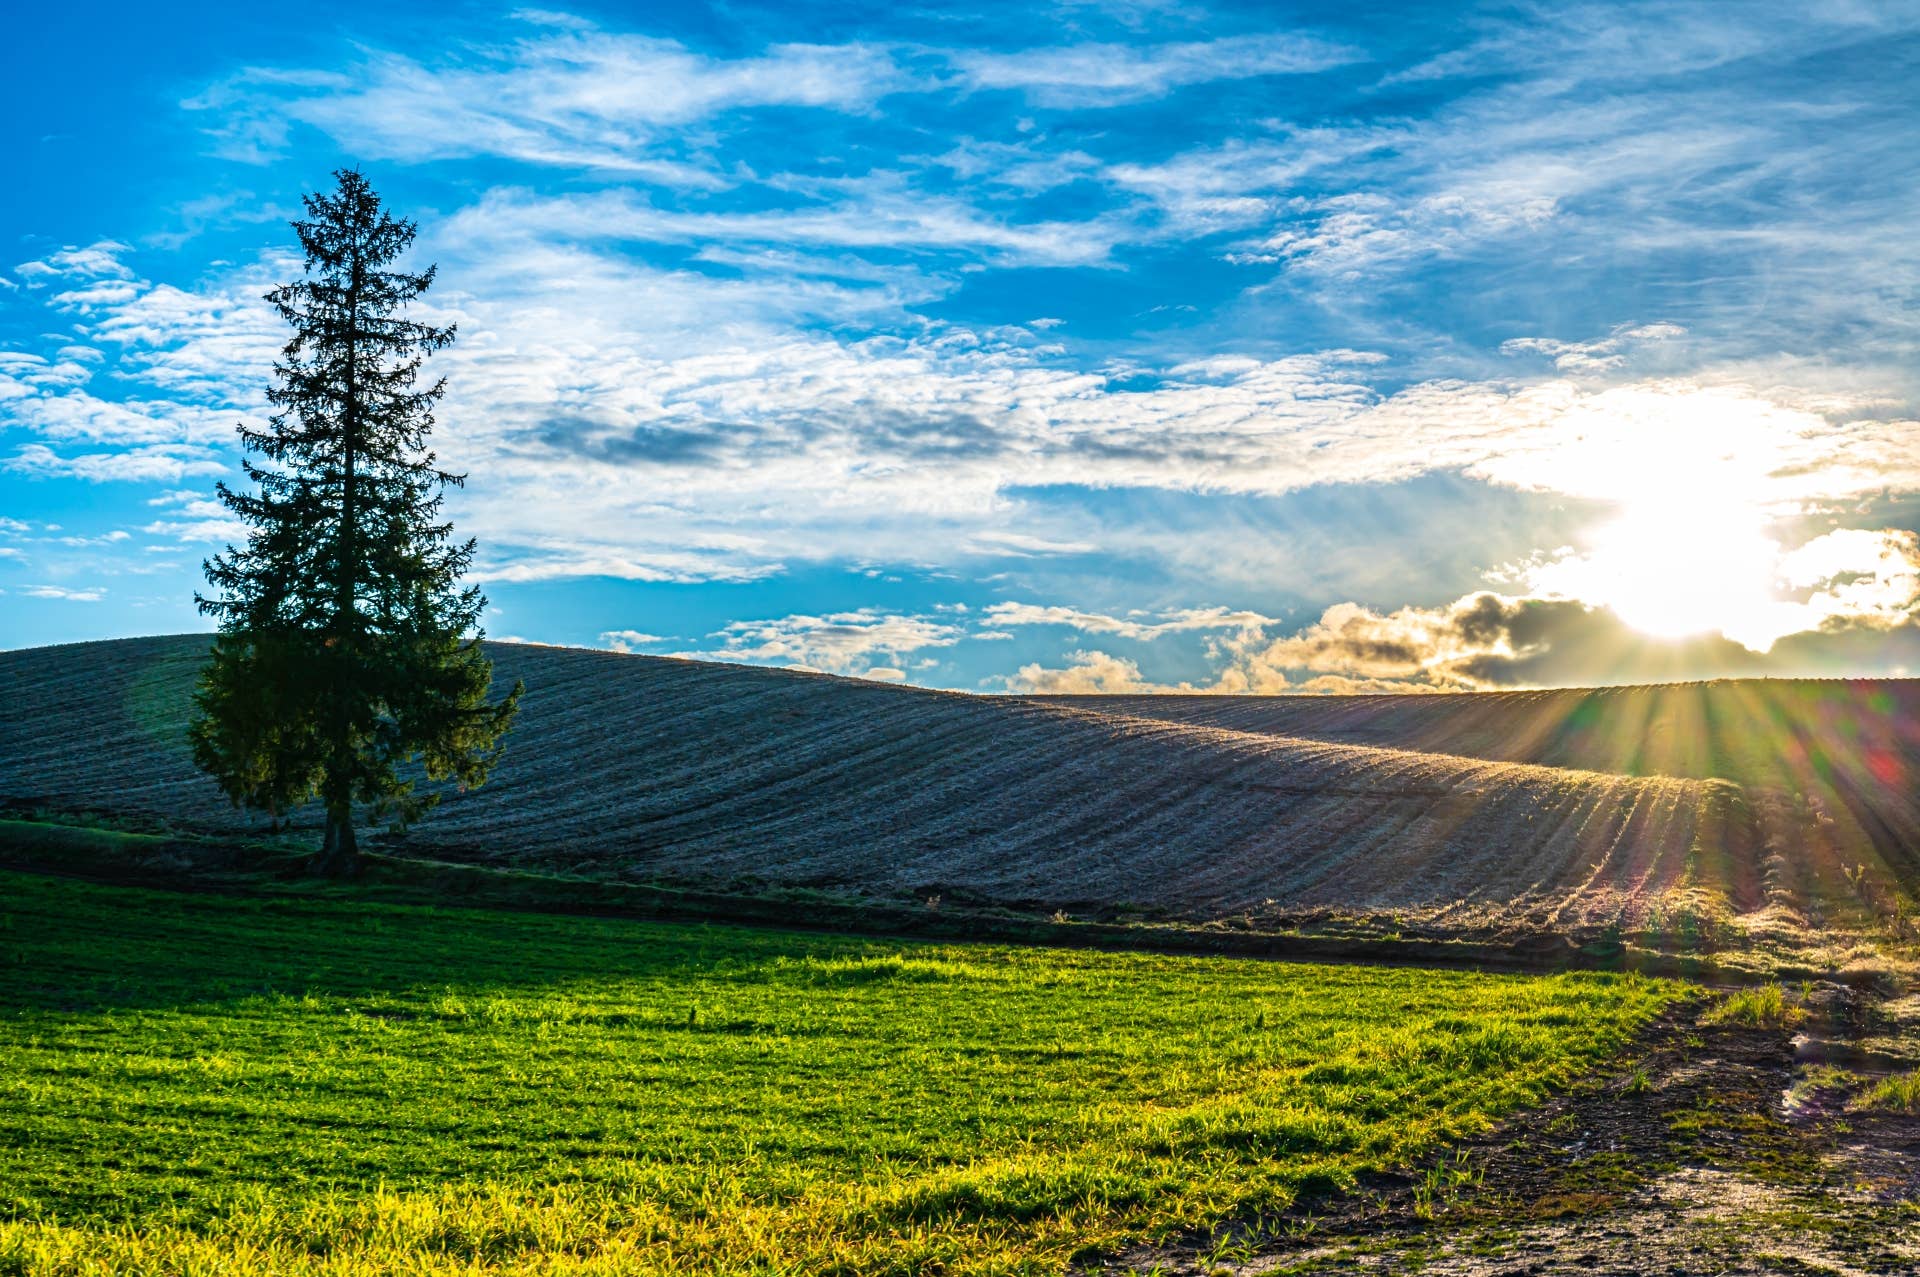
pixel 248 1084
pixel 1899 1093
pixel 1763 1007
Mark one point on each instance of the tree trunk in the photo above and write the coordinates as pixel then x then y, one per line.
pixel 339 856
pixel 339 852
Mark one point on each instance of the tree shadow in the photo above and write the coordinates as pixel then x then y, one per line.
pixel 68 945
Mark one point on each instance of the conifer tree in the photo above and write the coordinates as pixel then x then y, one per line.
pixel 349 651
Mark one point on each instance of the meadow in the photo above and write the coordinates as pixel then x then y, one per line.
pixel 280 1083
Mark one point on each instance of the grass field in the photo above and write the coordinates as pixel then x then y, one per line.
pixel 233 1084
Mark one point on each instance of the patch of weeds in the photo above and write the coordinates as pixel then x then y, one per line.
pixel 1570 1205
pixel 1800 1219
pixel 1607 1175
pixel 1898 1094
pixel 1820 1078
pixel 1765 1007
pixel 1444 1181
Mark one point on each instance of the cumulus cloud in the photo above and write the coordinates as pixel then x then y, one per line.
pixel 144 464
pixel 1439 645
pixel 677 460
pixel 1598 356
pixel 1856 577
pixel 199 520
pixel 697 340
pixel 99 260
pixel 1088 673
pixel 628 640
pixel 839 642
pixel 1141 626
pixel 1853 580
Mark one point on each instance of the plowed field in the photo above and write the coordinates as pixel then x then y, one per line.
pixel 1830 768
pixel 1658 810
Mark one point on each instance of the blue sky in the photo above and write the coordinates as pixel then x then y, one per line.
pixel 1055 346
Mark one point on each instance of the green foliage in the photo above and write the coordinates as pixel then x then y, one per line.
pixel 1900 1093
pixel 258 731
pixel 1764 1007
pixel 348 646
pixel 315 1084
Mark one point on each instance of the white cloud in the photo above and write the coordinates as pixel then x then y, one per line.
pixel 1138 626
pixel 1021 545
pixel 1243 182
pixel 552 561
pixel 840 642
pixel 143 464
pixel 99 260
pixel 199 520
pixel 1857 575
pixel 567 95
pixel 682 443
pixel 108 538
pixel 61 592
pixel 1101 75
pixel 1088 673
pixel 179 496
pixel 1599 356
pixel 627 640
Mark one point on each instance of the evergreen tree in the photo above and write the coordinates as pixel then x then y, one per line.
pixel 348 647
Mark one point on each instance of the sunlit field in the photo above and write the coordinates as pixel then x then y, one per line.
pixel 202 1083
pixel 1749 819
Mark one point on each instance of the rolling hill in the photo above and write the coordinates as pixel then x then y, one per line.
pixel 1471 813
pixel 1829 767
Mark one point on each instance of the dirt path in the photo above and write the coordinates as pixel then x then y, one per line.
pixel 1709 1152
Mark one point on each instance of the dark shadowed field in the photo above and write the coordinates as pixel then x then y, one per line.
pixel 1725 815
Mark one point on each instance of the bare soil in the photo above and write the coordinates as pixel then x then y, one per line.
pixel 1707 1152
pixel 728 778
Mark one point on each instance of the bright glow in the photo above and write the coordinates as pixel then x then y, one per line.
pixel 1674 569
pixel 1688 553
pixel 1700 479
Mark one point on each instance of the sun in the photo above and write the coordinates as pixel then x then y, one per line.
pixel 1693 480
pixel 1675 568
pixel 1675 564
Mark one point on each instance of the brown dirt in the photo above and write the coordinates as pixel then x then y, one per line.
pixel 1687 1160
pixel 1830 768
pixel 647 769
